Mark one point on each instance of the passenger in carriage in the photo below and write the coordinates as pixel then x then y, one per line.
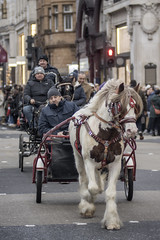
pixel 50 71
pixel 57 110
pixel 35 92
pixel 79 97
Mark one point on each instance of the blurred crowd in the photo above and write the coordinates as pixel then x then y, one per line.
pixel 11 101
pixel 10 104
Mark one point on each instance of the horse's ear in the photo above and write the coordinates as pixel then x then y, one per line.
pixel 136 88
pixel 121 88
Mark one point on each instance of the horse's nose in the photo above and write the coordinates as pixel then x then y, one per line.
pixel 132 131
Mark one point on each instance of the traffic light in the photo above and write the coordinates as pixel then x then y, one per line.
pixel 110 57
pixel 30 48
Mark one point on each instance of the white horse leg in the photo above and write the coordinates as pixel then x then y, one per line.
pixel 111 218
pixel 86 205
pixel 92 175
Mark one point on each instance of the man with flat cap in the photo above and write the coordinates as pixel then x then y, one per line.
pixel 57 110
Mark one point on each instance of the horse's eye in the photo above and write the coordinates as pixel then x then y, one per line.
pixel 119 107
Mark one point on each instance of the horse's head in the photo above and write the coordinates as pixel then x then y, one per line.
pixel 126 106
pixel 66 88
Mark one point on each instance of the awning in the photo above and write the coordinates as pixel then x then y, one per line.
pixel 3 55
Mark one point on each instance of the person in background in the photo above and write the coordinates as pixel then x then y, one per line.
pixel 14 101
pixel 79 95
pixel 88 89
pixel 35 92
pixel 141 120
pixel 150 93
pixel 155 118
pixel 57 110
pixel 51 72
pixel 2 112
pixel 96 88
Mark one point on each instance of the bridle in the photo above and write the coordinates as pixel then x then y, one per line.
pixel 116 107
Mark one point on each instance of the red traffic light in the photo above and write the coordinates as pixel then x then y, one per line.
pixel 110 57
pixel 110 52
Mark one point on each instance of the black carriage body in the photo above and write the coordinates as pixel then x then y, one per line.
pixel 62 165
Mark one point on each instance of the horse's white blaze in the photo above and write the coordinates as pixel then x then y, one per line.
pixel 130 128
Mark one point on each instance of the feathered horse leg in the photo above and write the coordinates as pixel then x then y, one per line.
pixel 111 218
pixel 86 205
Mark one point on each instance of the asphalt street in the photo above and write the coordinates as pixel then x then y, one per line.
pixel 57 217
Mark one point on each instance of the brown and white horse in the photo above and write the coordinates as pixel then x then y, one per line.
pixel 96 136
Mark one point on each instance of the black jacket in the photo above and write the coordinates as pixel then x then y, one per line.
pixel 79 95
pixel 52 115
pixel 37 90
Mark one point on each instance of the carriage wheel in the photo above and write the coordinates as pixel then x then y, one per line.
pixel 21 152
pixel 128 184
pixel 39 186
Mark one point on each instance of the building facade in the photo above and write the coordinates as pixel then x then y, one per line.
pixel 17 21
pixel 132 27
pixel 56 32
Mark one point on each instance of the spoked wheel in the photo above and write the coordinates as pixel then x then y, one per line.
pixel 128 184
pixel 39 187
pixel 21 152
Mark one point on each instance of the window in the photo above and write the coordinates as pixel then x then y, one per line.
pixel 33 30
pixel 55 18
pixel 21 45
pixel 4 9
pixel 49 19
pixel 68 18
pixel 123 40
pixel 123 48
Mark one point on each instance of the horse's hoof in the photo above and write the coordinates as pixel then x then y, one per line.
pixel 87 214
pixel 112 226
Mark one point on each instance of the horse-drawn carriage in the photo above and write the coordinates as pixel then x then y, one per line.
pixel 55 163
pixel 99 134
pixel 29 145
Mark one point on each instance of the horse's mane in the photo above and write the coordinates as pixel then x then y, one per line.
pixel 108 92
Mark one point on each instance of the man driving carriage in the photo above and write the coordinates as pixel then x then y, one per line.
pixel 35 92
pixel 57 110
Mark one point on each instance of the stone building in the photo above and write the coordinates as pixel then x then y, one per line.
pixel 56 32
pixel 17 21
pixel 132 27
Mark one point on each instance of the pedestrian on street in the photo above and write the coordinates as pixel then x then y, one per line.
pixel 36 91
pixel 57 110
pixel 150 93
pixel 142 118
pixel 2 112
pixel 155 118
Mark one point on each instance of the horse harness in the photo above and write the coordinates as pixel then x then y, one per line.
pixel 83 121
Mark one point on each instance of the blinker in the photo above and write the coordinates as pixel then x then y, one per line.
pixel 132 102
pixel 115 108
